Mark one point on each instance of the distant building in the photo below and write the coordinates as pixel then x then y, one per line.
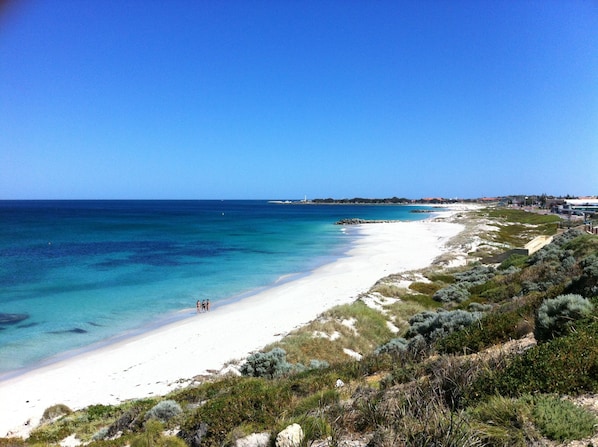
pixel 586 205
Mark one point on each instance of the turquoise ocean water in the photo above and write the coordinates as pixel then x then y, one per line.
pixel 76 274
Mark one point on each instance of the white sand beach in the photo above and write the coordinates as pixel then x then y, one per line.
pixel 169 357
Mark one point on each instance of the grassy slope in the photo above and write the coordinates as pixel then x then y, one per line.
pixel 487 384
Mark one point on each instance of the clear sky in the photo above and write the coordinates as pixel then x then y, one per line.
pixel 257 99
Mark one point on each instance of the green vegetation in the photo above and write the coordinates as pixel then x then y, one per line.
pixel 164 411
pixel 557 316
pixel 561 420
pixel 517 227
pixel 55 411
pixel 462 371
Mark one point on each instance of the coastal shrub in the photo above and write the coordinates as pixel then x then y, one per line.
pixel 12 442
pixel 479 274
pixel 550 276
pixel 388 290
pixel 456 293
pixel 316 401
pixel 318 364
pixel 452 377
pixel 50 434
pixel 583 245
pixel 425 288
pixel 164 410
pixel 55 411
pixel 99 411
pixel 441 277
pixel 400 347
pixel 564 365
pixel 435 325
pixel 509 321
pixel 129 417
pixel 100 434
pixel 503 421
pixel 317 380
pixel 561 420
pixel 425 301
pixel 587 283
pixel 556 316
pixel 500 292
pixel 394 347
pixel 479 307
pixel 554 267
pixel 513 263
pixel 370 324
pixel 267 364
pixel 314 428
pixel 254 401
pixel 152 436
pixel 414 414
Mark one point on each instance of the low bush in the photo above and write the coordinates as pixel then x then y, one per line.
pixel 500 293
pixel 435 325
pixel 441 277
pixel 452 377
pixel 50 433
pixel 98 412
pixel 556 316
pixel 479 274
pixel 503 421
pixel 516 261
pixel 479 307
pixel 388 290
pixel 55 411
pixel 561 420
pixel 564 365
pixel 12 442
pixel 425 288
pixel 316 380
pixel 314 427
pixel 455 293
pixel 587 283
pixel 254 401
pixel 164 411
pixel 371 325
pixel 415 415
pixel 401 348
pixel 493 328
pixel 267 364
pixel 394 347
pixel 152 436
pixel 316 402
pixel 128 417
pixel 425 301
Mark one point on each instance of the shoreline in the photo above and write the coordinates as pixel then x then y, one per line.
pixel 171 356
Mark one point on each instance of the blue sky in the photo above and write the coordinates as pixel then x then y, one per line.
pixel 260 99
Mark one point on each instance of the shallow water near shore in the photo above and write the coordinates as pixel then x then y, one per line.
pixel 83 272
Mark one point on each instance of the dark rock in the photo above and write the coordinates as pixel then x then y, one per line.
pixel 193 437
pixel 129 421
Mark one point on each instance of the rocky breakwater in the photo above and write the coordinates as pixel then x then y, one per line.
pixel 356 221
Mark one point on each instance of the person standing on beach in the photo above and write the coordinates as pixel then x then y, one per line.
pixel 207 304
pixel 197 304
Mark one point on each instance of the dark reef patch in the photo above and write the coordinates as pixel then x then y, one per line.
pixel 76 330
pixel 12 318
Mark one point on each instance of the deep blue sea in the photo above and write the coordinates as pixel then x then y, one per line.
pixel 80 273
